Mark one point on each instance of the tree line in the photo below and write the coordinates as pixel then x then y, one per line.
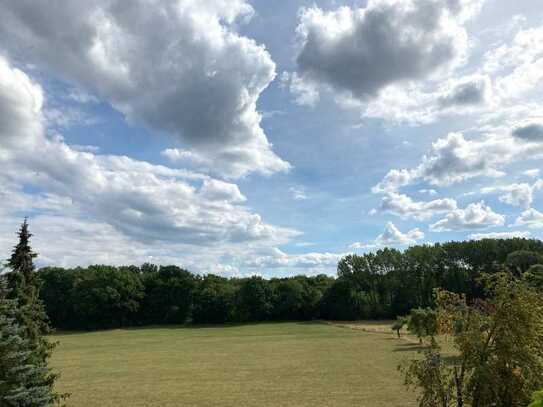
pixel 107 297
pixel 377 285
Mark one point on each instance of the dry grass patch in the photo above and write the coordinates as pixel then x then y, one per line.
pixel 283 364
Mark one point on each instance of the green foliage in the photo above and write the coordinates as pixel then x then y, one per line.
pixel 378 285
pixel 434 379
pixel 254 300
pixel 534 276
pixel 56 292
pixel 25 379
pixel 422 322
pixel 343 302
pixel 297 298
pixel 521 260
pixel 213 300
pixel 23 282
pixel 537 399
pixel 24 285
pixel 288 299
pixel 499 342
pixel 168 295
pixel 104 297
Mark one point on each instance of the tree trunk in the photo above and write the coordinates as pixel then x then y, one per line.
pixel 458 385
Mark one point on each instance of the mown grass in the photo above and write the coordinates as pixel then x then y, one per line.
pixel 279 364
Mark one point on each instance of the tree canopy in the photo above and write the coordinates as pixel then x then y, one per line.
pixel 498 343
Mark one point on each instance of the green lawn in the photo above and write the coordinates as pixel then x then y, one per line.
pixel 283 364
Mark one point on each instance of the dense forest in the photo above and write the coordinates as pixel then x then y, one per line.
pixel 377 285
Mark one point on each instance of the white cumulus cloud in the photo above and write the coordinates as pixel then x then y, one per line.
pixel 177 66
pixel 392 236
pixel 532 173
pixel 475 216
pixel 454 158
pixel 531 218
pixel 516 194
pixel 142 202
pixel 405 207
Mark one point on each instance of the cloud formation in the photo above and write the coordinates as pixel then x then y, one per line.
pixel 508 76
pixel 405 207
pixel 454 158
pixel 532 173
pixel 144 202
pixel 518 64
pixel 530 132
pixel 531 218
pixel 298 193
pixel 176 66
pixel 363 50
pixel 471 92
pixel 190 69
pixel 475 216
pixel 277 259
pixel 391 236
pixel 516 194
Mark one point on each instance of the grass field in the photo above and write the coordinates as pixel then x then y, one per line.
pixel 283 364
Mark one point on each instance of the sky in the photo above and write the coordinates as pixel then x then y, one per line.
pixel 241 137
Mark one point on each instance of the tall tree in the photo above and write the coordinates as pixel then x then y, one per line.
pixel 499 349
pixel 168 295
pixel 24 285
pixel 254 300
pixel 22 259
pixel 213 300
pixel 25 379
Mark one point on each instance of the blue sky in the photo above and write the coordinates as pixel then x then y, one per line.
pixel 256 137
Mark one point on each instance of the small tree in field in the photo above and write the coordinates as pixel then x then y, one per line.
pixel 499 343
pixel 422 322
pixel 398 325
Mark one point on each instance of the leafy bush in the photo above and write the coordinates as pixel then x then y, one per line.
pixel 537 399
pixel 422 322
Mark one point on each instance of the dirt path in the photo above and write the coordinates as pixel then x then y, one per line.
pixel 378 327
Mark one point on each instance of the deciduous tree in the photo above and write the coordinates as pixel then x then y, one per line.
pixel 499 346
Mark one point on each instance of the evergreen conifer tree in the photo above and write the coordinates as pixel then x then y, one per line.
pixel 24 348
pixel 25 380
pixel 23 285
pixel 22 262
